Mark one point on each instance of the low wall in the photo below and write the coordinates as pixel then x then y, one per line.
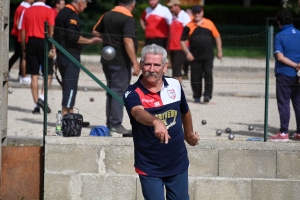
pixel 102 168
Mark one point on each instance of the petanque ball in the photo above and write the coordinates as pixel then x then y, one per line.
pixel 10 90
pixel 218 132
pixel 228 130
pixel 85 89
pixel 203 122
pixel 250 127
pixel 230 136
pixel 108 53
pixel 91 99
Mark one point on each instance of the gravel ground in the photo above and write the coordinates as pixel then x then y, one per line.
pixel 238 102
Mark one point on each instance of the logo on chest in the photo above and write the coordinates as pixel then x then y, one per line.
pixel 172 94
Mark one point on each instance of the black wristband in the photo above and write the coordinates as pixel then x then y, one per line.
pixel 24 50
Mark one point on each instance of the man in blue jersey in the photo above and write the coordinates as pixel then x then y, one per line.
pixel 161 121
pixel 287 55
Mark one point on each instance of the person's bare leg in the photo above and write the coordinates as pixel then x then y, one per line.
pixel 23 67
pixel 35 87
pixel 66 110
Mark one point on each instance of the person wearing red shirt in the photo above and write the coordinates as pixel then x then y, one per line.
pixel 33 28
pixel 180 19
pixel 155 20
pixel 15 33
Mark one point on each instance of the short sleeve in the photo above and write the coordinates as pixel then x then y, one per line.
pixel 185 33
pixel 131 99
pixel 168 16
pixel 277 45
pixel 21 21
pixel 129 28
pixel 184 107
pixel 143 16
pixel 72 24
pixel 51 17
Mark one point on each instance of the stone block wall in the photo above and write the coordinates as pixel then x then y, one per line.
pixel 102 168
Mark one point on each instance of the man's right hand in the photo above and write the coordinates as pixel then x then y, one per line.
pixel 189 56
pixel 136 69
pixel 96 40
pixel 161 131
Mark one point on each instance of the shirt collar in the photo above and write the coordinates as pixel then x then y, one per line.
pixel 25 4
pixel 287 26
pixel 145 90
pixel 39 3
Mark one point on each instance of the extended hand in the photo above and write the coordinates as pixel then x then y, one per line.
pixel 161 131
pixel 96 40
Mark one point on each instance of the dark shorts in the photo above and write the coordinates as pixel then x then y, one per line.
pixel 69 74
pixel 35 57
pixel 159 41
pixel 176 187
pixel 177 60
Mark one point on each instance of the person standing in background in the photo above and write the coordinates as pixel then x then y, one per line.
pixel 68 34
pixel 287 64
pixel 156 20
pixel 201 33
pixel 58 5
pixel 15 33
pixel 186 63
pixel 117 28
pixel 32 27
pixel 180 20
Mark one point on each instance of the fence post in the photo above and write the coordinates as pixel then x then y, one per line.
pixel 46 104
pixel 268 38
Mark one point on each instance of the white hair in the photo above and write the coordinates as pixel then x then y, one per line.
pixel 154 49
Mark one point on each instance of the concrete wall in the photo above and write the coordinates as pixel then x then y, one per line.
pixel 102 168
pixel 4 35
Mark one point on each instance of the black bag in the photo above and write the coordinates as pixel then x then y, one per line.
pixel 72 124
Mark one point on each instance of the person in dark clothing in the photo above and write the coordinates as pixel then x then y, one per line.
pixel 161 121
pixel 117 28
pixel 200 33
pixel 287 58
pixel 67 33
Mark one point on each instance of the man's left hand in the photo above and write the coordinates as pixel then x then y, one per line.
pixel 192 139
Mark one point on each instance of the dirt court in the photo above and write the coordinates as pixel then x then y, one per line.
pixel 238 101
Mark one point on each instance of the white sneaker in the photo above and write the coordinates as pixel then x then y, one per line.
pixel 25 80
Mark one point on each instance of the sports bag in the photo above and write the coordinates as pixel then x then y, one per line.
pixel 100 131
pixel 72 124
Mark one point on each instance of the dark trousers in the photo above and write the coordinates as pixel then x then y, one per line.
pixel 69 72
pixel 176 187
pixel 159 41
pixel 118 79
pixel 287 88
pixel 17 54
pixel 200 68
pixel 186 65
